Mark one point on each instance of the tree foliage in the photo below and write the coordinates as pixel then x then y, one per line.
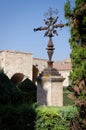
pixel 76 17
pixel 10 93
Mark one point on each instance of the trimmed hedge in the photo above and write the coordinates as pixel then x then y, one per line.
pixel 21 117
pixel 18 113
pixel 9 93
pixel 29 90
pixel 32 117
pixel 54 118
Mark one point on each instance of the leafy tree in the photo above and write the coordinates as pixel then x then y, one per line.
pixel 76 16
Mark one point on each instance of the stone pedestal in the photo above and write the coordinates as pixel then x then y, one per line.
pixel 50 88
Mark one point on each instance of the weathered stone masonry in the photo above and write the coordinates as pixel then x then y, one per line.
pixel 16 62
pixel 19 62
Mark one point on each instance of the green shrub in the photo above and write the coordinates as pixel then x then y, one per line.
pixel 9 93
pixel 26 91
pixel 16 112
pixel 29 90
pixel 32 117
pixel 21 117
pixel 54 118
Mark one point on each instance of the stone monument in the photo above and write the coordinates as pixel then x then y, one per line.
pixel 50 82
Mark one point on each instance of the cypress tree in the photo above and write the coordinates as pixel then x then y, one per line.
pixel 76 16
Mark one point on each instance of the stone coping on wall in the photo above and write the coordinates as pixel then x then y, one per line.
pixel 13 51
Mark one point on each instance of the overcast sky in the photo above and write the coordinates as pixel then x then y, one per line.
pixel 18 18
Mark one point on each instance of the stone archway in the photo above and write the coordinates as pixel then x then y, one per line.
pixel 17 78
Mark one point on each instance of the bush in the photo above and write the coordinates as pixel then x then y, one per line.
pixel 16 94
pixel 9 93
pixel 29 90
pixel 16 112
pixel 53 118
pixel 32 117
pixel 21 117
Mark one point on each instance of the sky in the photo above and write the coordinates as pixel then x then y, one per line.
pixel 18 18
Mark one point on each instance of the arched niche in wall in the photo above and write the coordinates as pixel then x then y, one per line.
pixel 17 78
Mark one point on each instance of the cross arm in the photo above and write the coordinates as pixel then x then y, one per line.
pixel 58 25
pixel 40 28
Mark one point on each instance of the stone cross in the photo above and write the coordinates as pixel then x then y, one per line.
pixel 49 82
pixel 50 31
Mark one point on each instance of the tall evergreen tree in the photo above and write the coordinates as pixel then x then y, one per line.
pixel 76 16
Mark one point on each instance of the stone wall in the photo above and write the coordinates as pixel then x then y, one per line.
pixel 65 74
pixel 16 62
pixel 19 62
pixel 41 64
pixel 64 68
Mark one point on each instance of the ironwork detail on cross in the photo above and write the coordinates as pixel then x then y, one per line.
pixel 50 31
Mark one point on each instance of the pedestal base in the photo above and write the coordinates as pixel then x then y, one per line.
pixel 50 88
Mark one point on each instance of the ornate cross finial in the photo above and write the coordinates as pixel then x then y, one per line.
pixel 50 30
pixel 51 12
pixel 50 23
